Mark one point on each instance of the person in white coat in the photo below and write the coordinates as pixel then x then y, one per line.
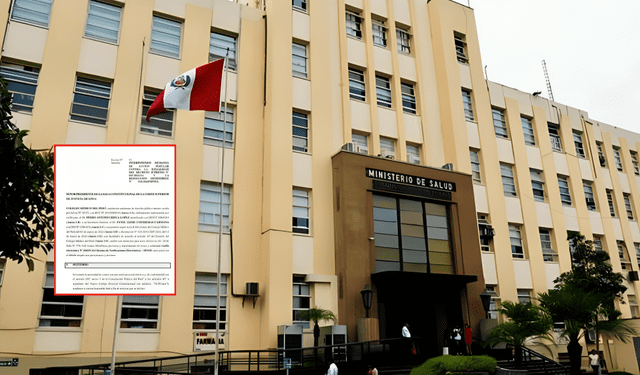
pixel 333 369
pixel 405 331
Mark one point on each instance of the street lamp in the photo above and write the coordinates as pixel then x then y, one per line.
pixel 485 297
pixel 367 295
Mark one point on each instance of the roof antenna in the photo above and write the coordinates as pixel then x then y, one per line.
pixel 546 77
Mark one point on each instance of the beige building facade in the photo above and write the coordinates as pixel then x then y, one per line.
pixel 319 94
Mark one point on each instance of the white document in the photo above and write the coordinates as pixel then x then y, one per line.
pixel 115 220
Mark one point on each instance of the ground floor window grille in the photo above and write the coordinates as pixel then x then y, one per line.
pixel 205 300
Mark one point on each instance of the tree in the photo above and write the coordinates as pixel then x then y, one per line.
pixel 26 188
pixel 315 315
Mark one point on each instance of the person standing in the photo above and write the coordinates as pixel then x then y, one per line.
pixel 372 370
pixel 333 369
pixel 594 360
pixel 405 331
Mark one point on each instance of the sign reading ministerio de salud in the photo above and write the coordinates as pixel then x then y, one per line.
pixel 409 184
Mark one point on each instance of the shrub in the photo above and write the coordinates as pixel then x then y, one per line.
pixel 449 363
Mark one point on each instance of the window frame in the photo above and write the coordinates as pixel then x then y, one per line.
pixel 156 30
pixel 353 24
pixel 623 254
pixel 467 104
pixel 499 123
pixel 218 44
pixel 537 185
pixel 610 201
pixel 199 311
pixel 387 147
pixel 588 194
pixel 302 7
pixel 90 90
pixel 301 292
pixel 211 122
pixel 548 254
pixel 517 248
pixel 363 147
pixel 299 70
pixel 379 33
pixel 408 98
pixel 27 20
pixel 579 145
pixel 147 127
pixel 298 221
pixel 554 136
pixel 634 162
pixel 508 180
pixel 403 39
pixel 17 79
pixel 617 159
pixel 565 190
pixel 460 44
pixel 413 156
pixel 214 204
pixel 356 79
pixel 627 206
pixel 63 302
pixel 383 92
pixel 300 117
pixel 527 130
pixel 601 157
pixel 107 8
pixel 139 303
pixel 476 175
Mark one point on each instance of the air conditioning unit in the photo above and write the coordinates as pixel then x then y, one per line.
pixel 351 147
pixel 387 154
pixel 448 166
pixel 252 289
pixel 487 231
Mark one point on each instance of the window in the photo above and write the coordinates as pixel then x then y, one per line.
pixel 468 107
pixel 633 304
pixel 301 300
pixel 165 37
pixel 383 91
pixel 625 263
pixel 597 243
pixel 402 38
pixel 494 305
pixel 508 183
pixel 218 45
pixel 103 21
pixel 32 11
pixel 209 214
pixel 90 101
pixel 299 59
pixel 300 132
pixel 161 124
pixel 22 82
pixel 413 153
pixel 588 196
pixel 627 206
pixel 361 141
pixel 300 211
pixel 612 209
pixel 603 161
pixel 408 98
pixel 461 47
pixel 204 301
pixel 565 193
pixel 300 5
pixel 387 147
pixel 356 85
pixel 516 241
pixel 485 241
pixel 59 311
pixel 214 122
pixel 554 137
pixel 475 166
pixel 636 245
pixel 527 130
pixel 524 296
pixel 379 33
pixel 353 25
pixel 537 184
pixel 577 141
pixel 499 123
pixel 634 161
pixel 617 158
pixel 140 312
pixel 547 250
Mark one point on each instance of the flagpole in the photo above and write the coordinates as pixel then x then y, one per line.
pixel 219 277
pixel 115 333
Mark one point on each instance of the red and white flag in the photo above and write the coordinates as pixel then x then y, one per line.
pixel 197 89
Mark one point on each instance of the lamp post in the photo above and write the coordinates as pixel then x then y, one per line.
pixel 367 295
pixel 485 297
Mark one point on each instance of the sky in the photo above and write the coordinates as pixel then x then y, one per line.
pixel 591 49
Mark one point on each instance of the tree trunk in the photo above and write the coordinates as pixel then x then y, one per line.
pixel 316 334
pixel 518 355
pixel 575 356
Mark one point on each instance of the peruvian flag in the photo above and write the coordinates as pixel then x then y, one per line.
pixel 197 89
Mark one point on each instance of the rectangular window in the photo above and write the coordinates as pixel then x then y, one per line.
pixel 301 300
pixel 633 305
pixel 597 243
pixel 209 214
pixel 508 183
pixel 554 137
pixel 379 33
pixel 90 101
pixel 627 206
pixel 159 124
pixel 475 166
pixel 577 141
pixel 515 237
pixel 300 132
pixel 22 82
pixel 565 193
pixel 103 21
pixel 588 196
pixel 59 311
pixel 35 12
pixel 537 184
pixel 612 209
pixel 485 241
pixel 218 45
pixel 402 38
pixel 356 85
pixel 165 37
pixel 413 153
pixel 300 211
pixel 467 105
pixel 625 263
pixel 214 123
pixel 527 130
pixel 636 245
pixel 634 161
pixel 461 47
pixel 299 59
pixel 362 142
pixel 354 23
pixel 494 304
pixel 524 296
pixel 408 98
pixel 547 250
pixel 300 5
pixel 387 147
pixel 205 299
pixel 383 91
pixel 499 123
pixel 140 312
pixel 603 160
pixel 617 158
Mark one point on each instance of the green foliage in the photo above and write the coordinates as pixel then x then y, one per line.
pixel 315 315
pixel 576 307
pixel 26 188
pixel 454 364
pixel 525 321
